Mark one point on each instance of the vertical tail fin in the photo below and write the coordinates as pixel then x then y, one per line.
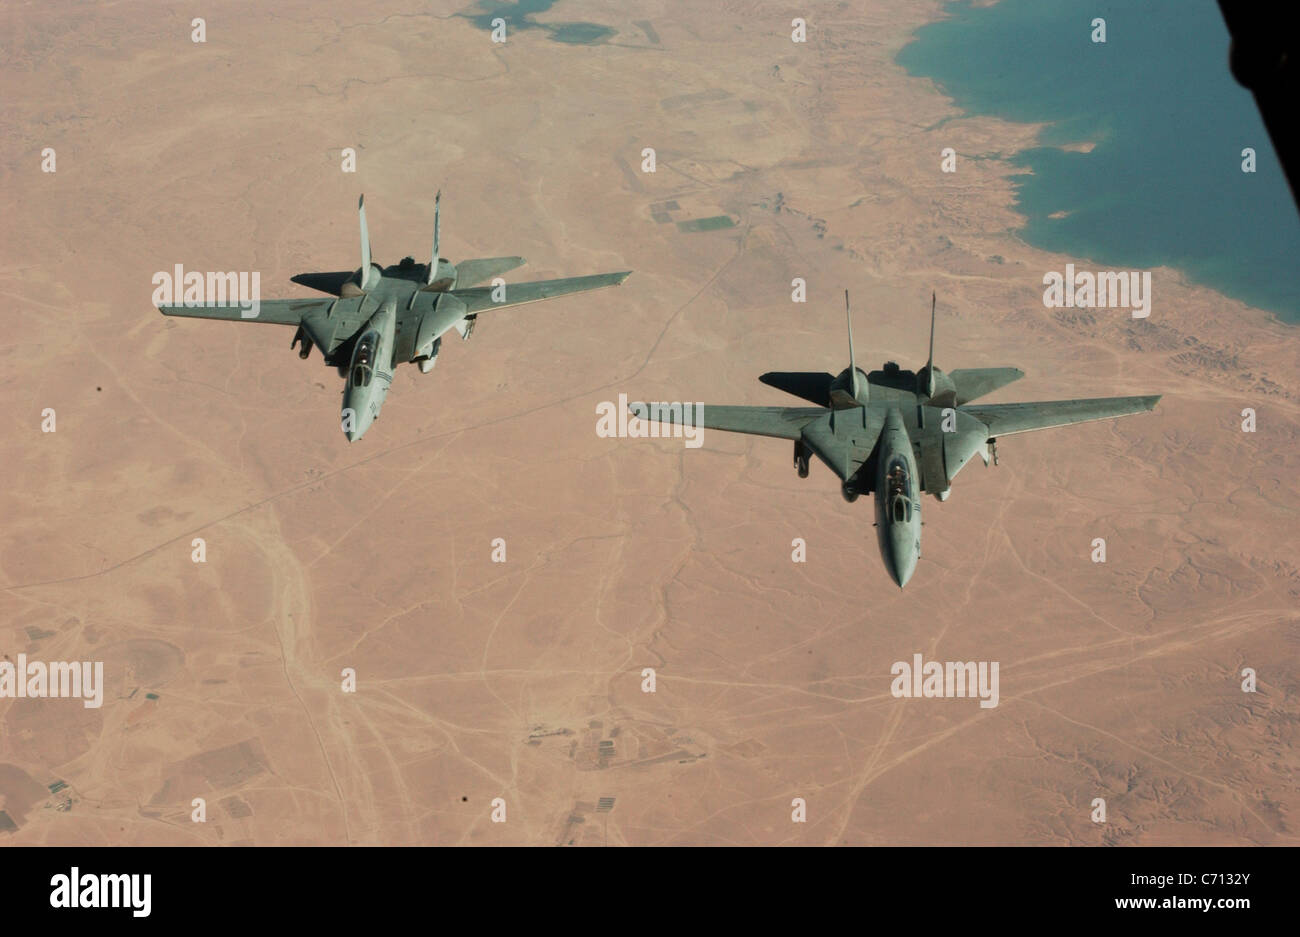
pixel 433 263
pixel 929 364
pixel 365 243
pixel 853 368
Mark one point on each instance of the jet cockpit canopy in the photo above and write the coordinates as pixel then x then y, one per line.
pixel 363 360
pixel 899 492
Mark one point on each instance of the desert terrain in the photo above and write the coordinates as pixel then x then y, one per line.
pixel 520 683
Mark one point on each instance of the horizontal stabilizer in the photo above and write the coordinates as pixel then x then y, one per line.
pixel 973 383
pixel 474 272
pixel 812 386
pixel 1004 419
pixel 331 283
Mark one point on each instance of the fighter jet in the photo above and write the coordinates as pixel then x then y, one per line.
pixel 896 433
pixel 382 316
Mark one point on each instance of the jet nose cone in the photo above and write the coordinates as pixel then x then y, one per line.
pixel 355 423
pixel 901 559
pixel 899 572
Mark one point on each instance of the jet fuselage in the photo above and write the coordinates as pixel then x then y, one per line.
pixel 898 505
pixel 370 374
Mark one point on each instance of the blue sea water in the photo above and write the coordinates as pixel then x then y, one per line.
pixel 1164 184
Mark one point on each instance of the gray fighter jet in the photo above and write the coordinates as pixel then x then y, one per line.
pixel 382 316
pixel 897 433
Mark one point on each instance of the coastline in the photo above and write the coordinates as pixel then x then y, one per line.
pixel 1195 331
pixel 1238 262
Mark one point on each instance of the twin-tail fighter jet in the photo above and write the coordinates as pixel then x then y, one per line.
pixel 382 316
pixel 898 433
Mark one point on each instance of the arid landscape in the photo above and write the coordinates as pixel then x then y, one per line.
pixel 486 689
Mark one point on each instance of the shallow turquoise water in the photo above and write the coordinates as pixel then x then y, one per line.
pixel 1163 185
pixel 518 16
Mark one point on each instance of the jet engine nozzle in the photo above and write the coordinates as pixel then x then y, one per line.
pixel 931 382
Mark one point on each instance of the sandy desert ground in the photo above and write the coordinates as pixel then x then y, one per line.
pixel 522 680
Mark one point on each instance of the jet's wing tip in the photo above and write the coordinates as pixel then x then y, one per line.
pixel 601 280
